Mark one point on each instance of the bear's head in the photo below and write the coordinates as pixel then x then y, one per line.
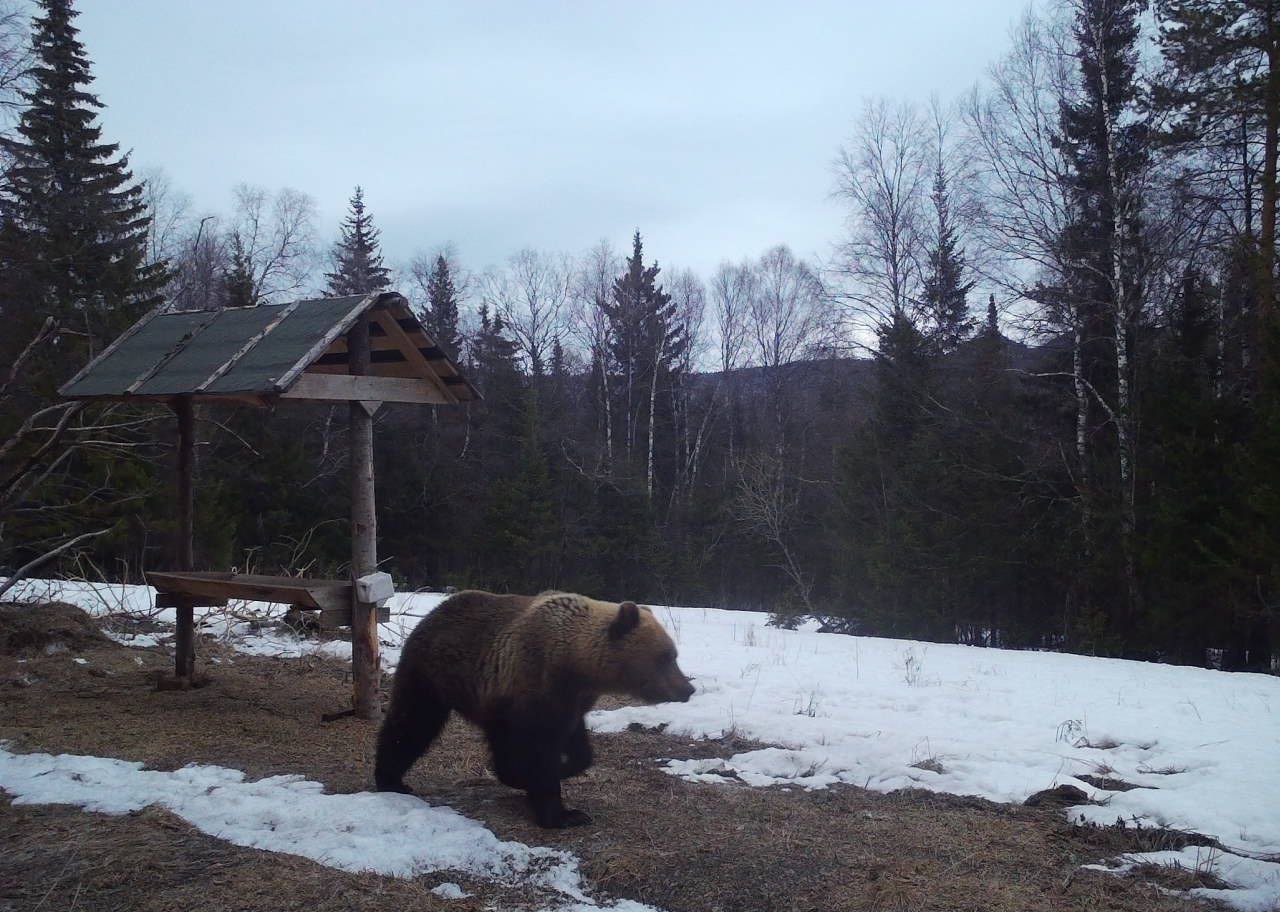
pixel 641 658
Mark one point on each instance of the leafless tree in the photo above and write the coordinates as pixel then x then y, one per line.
pixel 531 294
pixel 690 298
pixel 36 457
pixel 783 320
pixel 883 174
pixel 768 505
pixel 279 236
pixel 198 263
pixel 15 59
pixel 1012 124
pixel 732 288
pixel 588 326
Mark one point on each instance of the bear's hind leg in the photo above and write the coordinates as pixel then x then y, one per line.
pixel 414 719
pixel 507 750
pixel 577 752
pixel 530 758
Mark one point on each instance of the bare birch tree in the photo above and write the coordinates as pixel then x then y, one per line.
pixel 883 173
pixel 690 298
pixel 279 236
pixel 531 294
pixel 783 322
pixel 589 327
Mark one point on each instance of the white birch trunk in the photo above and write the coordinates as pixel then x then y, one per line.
pixel 653 399
pixel 1121 311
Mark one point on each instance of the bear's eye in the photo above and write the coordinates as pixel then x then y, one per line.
pixel 667 657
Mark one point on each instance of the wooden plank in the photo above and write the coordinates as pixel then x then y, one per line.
pixel 365 672
pixel 429 348
pixel 410 350
pixel 401 369
pixel 347 388
pixel 341 617
pixel 254 399
pixel 286 590
pixel 381 343
pixel 170 600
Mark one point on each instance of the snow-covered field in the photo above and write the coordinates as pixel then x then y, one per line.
pixel 1203 747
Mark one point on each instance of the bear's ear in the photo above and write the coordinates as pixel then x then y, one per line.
pixel 627 620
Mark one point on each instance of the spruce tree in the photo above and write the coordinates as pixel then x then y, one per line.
pixel 991 329
pixel 357 259
pixel 1222 88
pixel 442 300
pixel 646 344
pixel 946 289
pixel 238 286
pixel 76 224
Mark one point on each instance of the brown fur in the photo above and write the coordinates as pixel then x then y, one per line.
pixel 526 669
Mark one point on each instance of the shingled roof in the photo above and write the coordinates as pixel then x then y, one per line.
pixel 275 352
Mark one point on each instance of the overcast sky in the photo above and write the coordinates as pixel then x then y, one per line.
pixel 498 125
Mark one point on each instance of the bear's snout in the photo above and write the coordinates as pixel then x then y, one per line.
pixel 679 689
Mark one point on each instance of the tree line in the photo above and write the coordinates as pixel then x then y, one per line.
pixel 1030 400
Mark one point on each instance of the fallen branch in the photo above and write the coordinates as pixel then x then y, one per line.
pixel 26 568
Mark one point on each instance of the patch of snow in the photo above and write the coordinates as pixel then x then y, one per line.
pixel 448 890
pixel 138 640
pixel 80 661
pixel 1254 882
pixel 389 834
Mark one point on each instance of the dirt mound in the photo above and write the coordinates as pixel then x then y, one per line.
pixel 34 628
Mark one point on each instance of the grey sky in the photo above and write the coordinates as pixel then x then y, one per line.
pixel 710 126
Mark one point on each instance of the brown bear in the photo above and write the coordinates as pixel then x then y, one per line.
pixel 527 670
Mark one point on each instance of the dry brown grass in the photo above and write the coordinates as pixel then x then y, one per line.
pixel 656 839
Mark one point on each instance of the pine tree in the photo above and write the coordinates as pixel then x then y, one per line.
pixel 238 286
pixel 75 219
pixel 442 299
pixel 357 259
pixel 946 290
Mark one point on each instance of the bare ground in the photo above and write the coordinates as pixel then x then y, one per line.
pixel 656 839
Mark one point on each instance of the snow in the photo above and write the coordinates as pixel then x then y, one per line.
pixel 394 835
pixel 449 890
pixel 1254 880
pixel 1203 747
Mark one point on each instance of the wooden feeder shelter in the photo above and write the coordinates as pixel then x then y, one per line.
pixel 364 350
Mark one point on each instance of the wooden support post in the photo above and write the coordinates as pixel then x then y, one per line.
pixel 365 671
pixel 183 538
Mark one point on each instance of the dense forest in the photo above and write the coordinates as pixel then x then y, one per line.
pixel 1031 399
